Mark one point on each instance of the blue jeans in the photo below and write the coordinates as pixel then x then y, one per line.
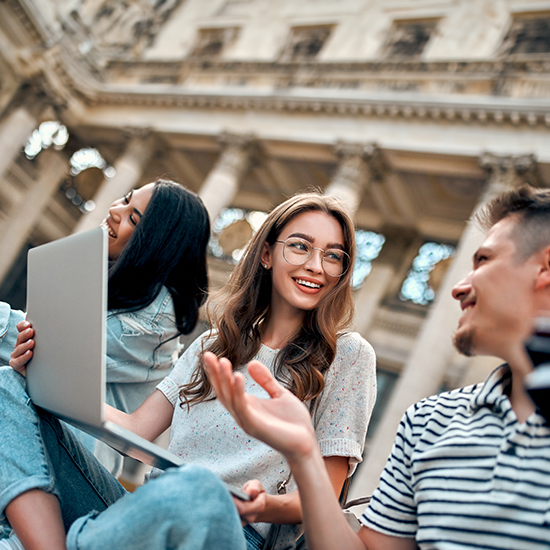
pixel 185 508
pixel 254 541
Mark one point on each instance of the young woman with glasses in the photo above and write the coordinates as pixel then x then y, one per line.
pixel 286 304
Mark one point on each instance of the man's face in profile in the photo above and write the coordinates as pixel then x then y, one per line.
pixel 497 297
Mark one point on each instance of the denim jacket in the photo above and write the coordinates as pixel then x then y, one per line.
pixel 8 330
pixel 142 346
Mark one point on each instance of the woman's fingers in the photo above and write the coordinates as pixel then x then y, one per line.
pixel 261 374
pixel 25 333
pixel 20 357
pixel 22 348
pixel 249 511
pixel 24 344
pixel 22 325
pixel 220 374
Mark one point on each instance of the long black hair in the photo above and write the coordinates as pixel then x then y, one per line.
pixel 167 247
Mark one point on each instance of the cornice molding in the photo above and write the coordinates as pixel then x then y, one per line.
pixel 93 86
pixel 489 67
pixel 483 111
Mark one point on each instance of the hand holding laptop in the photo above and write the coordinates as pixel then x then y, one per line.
pixel 24 345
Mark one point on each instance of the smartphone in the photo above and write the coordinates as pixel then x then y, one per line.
pixel 237 493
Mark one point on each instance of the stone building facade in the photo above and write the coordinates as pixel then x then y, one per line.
pixel 415 113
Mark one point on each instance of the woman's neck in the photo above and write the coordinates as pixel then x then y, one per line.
pixel 280 326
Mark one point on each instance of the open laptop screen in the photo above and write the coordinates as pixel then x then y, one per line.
pixel 67 303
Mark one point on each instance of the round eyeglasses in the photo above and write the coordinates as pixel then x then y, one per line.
pixel 298 251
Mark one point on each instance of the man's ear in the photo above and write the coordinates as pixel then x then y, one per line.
pixel 266 256
pixel 543 276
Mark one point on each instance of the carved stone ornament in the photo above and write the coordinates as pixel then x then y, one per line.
pixel 211 42
pixel 123 27
pixel 527 35
pixel 510 171
pixel 305 43
pixel 409 38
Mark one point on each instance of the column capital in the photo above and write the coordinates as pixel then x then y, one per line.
pixel 140 143
pixel 242 141
pixel 509 171
pixel 239 151
pixel 345 149
pixel 136 133
pixel 369 153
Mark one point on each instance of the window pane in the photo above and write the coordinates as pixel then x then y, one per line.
pixel 416 287
pixel 369 245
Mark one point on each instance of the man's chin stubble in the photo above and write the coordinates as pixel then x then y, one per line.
pixel 463 342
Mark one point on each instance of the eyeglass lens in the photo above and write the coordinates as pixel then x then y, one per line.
pixel 298 251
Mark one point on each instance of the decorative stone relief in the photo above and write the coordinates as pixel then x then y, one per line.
pixel 304 43
pixel 123 27
pixel 409 38
pixel 212 42
pixel 527 35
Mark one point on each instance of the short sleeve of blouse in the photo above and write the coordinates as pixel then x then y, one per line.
pixel 344 410
pixel 181 373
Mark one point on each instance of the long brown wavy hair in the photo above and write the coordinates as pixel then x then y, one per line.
pixel 236 313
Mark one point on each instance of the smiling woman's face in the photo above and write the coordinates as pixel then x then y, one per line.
pixel 124 215
pixel 301 287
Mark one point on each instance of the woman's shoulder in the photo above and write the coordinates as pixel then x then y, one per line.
pixel 161 305
pixel 195 348
pixel 353 342
pixel 160 310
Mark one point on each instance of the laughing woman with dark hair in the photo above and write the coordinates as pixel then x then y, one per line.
pixel 158 236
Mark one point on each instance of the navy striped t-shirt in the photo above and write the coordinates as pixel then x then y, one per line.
pixel 464 473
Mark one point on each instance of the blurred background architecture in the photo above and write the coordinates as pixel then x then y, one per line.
pixel 413 112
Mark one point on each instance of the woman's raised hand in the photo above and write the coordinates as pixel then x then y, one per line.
pixel 24 344
pixel 283 421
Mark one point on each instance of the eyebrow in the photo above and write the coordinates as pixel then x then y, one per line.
pixel 482 251
pixel 129 198
pixel 312 240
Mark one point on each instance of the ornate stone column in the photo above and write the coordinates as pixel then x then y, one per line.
pixel 359 164
pixel 25 214
pixel 424 372
pixel 15 129
pixel 222 183
pixel 129 168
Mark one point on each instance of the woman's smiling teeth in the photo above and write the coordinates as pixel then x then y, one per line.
pixel 109 230
pixel 307 283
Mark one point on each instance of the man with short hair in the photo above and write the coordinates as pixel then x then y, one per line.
pixel 469 468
